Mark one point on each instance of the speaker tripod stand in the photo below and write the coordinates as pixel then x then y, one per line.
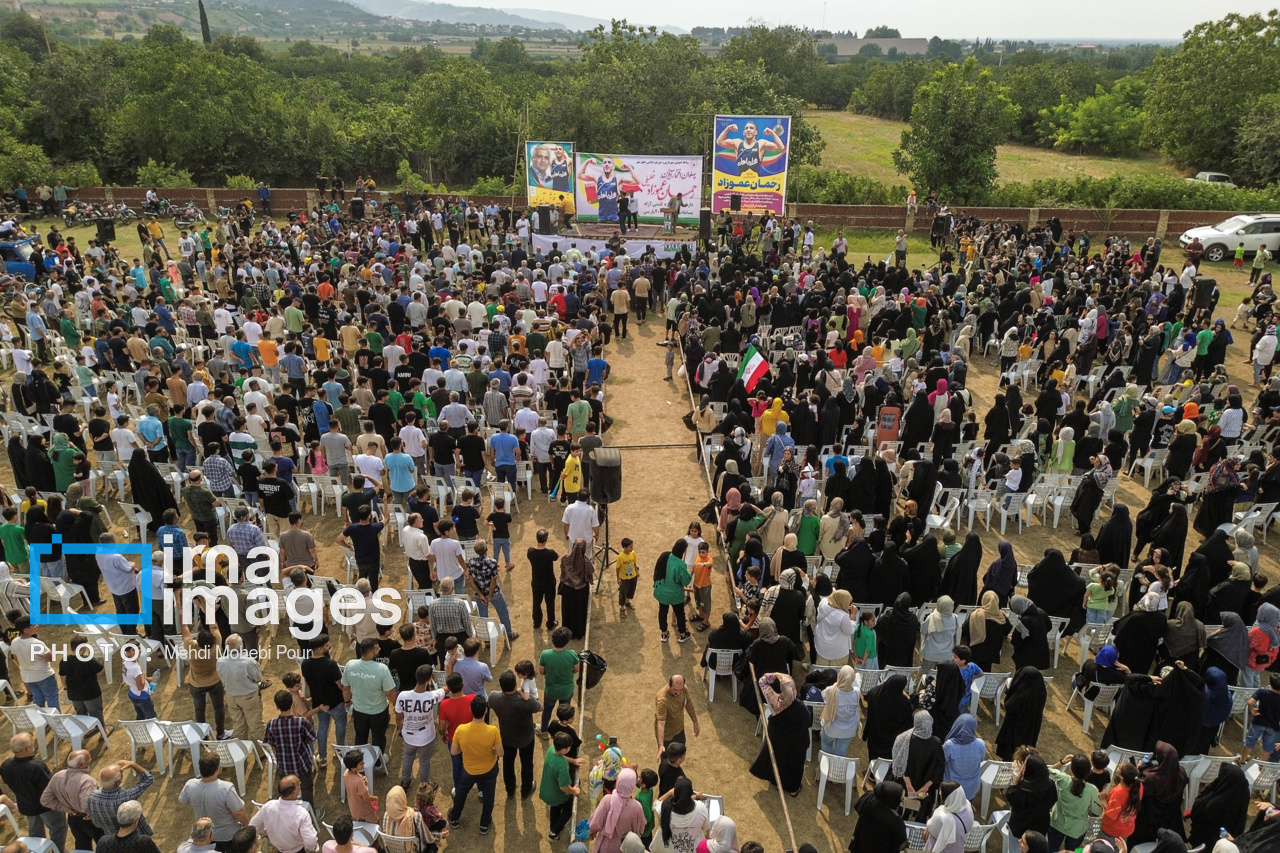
pixel 604 552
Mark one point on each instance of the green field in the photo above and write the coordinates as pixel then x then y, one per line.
pixel 864 146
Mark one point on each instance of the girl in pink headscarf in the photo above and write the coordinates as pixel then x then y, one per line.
pixel 940 399
pixel 617 814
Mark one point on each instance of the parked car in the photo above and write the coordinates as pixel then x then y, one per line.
pixel 1220 241
pixel 17 258
pixel 1221 178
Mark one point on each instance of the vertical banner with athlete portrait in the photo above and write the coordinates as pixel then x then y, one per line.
pixel 549 174
pixel 654 186
pixel 751 161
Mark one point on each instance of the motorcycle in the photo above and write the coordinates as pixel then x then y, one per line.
pixel 123 213
pixel 160 207
pixel 188 215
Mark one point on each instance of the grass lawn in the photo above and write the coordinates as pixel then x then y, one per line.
pixel 864 146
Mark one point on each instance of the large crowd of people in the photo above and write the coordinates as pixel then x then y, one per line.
pixel 429 355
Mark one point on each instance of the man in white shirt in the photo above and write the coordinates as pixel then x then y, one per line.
pixel 124 439
pixel 286 822
pixel 580 521
pixel 415 442
pixel 252 332
pixel 447 558
pixel 416 711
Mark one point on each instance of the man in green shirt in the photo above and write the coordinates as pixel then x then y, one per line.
pixel 14 539
pixel 1201 365
pixel 368 689
pixel 180 428
pixel 348 416
pixel 579 414
pixel 557 789
pixel 294 318
pixel 203 504
pixel 559 667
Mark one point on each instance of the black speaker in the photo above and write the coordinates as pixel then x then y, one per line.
pixel 735 202
pixel 606 475
pixel 704 224
pixel 544 219
pixel 106 231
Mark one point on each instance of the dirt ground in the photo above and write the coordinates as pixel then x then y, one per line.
pixel 663 487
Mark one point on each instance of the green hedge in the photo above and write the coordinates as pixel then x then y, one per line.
pixel 813 185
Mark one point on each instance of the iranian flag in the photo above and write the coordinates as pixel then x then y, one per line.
pixel 751 368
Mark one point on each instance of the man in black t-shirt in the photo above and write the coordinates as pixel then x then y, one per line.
pixel 406 659
pixel 365 539
pixel 276 496
pixel 471 447
pixel 542 561
pixel 443 451
pixel 324 683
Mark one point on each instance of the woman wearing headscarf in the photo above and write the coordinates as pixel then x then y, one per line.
pixel 1157 513
pixel 917 760
pixel 40 471
pixel 1024 701
pixel 1031 797
pixel 943 698
pixel 1212 449
pixel 923 558
pixel 1137 635
pixel 670 577
pixel 1179 709
pixel 888 715
pixel 985 630
pixel 860 494
pixel 403 820
pixel 728 636
pixel 1228 649
pixel 880 827
pixel 787 605
pixel 76 527
pixel 1232 593
pixel 1030 636
pixel 1183 449
pixel 1163 783
pixel 1264 644
pixel 64 466
pixel 1218 554
pixel 950 822
pixel 787 556
pixel 681 821
pixel 807 527
pixel 1061 461
pixel 964 753
pixel 773 416
pixel 945 435
pixel 1115 538
pixel 833 629
pixel 577 572
pixel 1217 710
pixel 836 486
pixel 960 576
pixel 1002 575
pixel 917 422
pixel 938 637
pixel 1193 586
pixel 723 837
pixel 1219 495
pixel 748 521
pixel 841 712
pixel 730 479
pixel 40 530
pixel 897 633
pixel 150 489
pixel 773 529
pixel 1184 635
pixel 1103 669
pixel 1057 590
pixel 1090 492
pixel 1222 804
pixel 924 483
pixel 890 578
pixel 998 427
pixel 789 736
pixel 833 530
pixel 886 479
pixel 617 814
pixel 771 652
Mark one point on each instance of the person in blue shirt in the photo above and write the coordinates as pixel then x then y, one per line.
pixel 264 198
pixel 151 430
pixel 171 538
pixel 503 377
pixel 322 410
pixel 401 471
pixel 597 368
pixel 441 352
pixel 242 351
pixel 284 470
pixel 504 448
pixel 36 329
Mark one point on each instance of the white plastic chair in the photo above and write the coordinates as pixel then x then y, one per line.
pixel 877 771
pixel 29 718
pixel 1205 771
pixel 975 840
pixel 144 734
pixel 138 517
pixel 491 632
pixel 995 776
pixel 724 661
pixel 73 728
pixel 1058 635
pixel 869 678
pixel 6 687
pixel 1263 776
pixel 1007 506
pixel 837 768
pixel 986 687
pixel 38 845
pixel 1240 705
pixel 715 807
pixel 915 835
pixel 187 735
pixel 911 672
pixel 63 592
pixel 943 520
pixel 1104 700
pixel 231 753
pixel 7 814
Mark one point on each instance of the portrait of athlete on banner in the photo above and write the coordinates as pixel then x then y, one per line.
pixel 750 149
pixel 549 168
pixel 606 187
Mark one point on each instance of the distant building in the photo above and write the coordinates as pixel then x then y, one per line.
pixel 902 47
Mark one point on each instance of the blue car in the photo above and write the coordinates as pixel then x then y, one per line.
pixel 16 255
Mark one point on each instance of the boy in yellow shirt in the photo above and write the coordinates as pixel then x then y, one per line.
pixel 571 477
pixel 628 576
pixel 702 567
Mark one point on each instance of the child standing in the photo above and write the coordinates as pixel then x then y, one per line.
pixel 1264 708
pixel 702 567
pixel 499 522
pixel 1243 313
pixel 301 705
pixel 628 576
pixel 1100 598
pixel 1238 263
pixel 363 806
pixel 644 796
pixel 557 789
pixel 528 686
pixel 670 358
pixel 864 641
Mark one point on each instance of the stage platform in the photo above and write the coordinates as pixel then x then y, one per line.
pixel 605 230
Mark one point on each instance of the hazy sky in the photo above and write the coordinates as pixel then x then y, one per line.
pixel 1137 19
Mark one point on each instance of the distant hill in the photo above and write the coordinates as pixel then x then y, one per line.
pixel 416 11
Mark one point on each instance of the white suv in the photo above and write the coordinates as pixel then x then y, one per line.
pixel 1220 241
